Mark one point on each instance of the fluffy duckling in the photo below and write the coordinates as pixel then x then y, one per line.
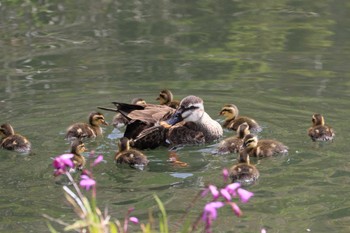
pixel 87 130
pixel 319 131
pixel 166 98
pixel 234 143
pixel 133 157
pixel 11 141
pixel 232 120
pixel 244 172
pixel 77 148
pixel 119 120
pixel 261 148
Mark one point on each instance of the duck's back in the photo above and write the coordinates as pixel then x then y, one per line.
pixel 80 130
pixel 267 148
pixel 243 172
pixel 321 133
pixel 17 143
pixel 230 145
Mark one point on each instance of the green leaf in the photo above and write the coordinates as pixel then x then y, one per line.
pixel 163 221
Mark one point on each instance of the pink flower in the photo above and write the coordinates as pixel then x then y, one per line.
pixel 225 194
pixel 236 209
pixel 60 163
pixel 97 160
pixel 214 191
pixel 231 188
pixel 225 174
pixel 244 195
pixel 263 230
pixel 210 213
pixel 210 210
pixel 86 182
pixel 134 220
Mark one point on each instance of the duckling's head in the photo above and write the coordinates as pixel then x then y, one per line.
pixel 138 101
pixel 243 130
pixel 78 147
pixel 97 119
pixel 317 119
pixel 250 141
pixel 165 96
pixel 6 130
pixel 124 144
pixel 230 111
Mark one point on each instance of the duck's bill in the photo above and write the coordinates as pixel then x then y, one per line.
pixel 175 118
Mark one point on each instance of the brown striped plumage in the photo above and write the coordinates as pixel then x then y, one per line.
pixel 233 120
pixel 12 141
pixel 87 130
pixel 319 130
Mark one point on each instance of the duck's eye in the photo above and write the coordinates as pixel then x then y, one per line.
pixel 190 108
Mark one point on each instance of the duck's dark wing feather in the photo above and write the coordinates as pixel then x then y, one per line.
pixel 151 138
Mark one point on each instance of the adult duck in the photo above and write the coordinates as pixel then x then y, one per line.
pixel 190 124
pixel 119 120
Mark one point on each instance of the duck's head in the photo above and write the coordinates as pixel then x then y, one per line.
pixel 250 141
pixel 6 130
pixel 317 119
pixel 243 130
pixel 165 96
pixel 124 144
pixel 230 111
pixel 97 119
pixel 191 109
pixel 77 147
pixel 138 101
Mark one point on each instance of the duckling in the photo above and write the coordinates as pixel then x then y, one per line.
pixel 11 141
pixel 119 120
pixel 129 155
pixel 244 172
pixel 234 143
pixel 261 148
pixel 319 131
pixel 84 130
pixel 166 98
pixel 233 120
pixel 77 148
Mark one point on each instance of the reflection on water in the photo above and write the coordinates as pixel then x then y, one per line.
pixel 278 61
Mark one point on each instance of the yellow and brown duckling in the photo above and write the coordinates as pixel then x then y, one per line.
pixel 233 120
pixel 77 148
pixel 244 172
pixel 87 130
pixel 131 156
pixel 9 140
pixel 234 143
pixel 319 130
pixel 119 120
pixel 166 98
pixel 261 148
